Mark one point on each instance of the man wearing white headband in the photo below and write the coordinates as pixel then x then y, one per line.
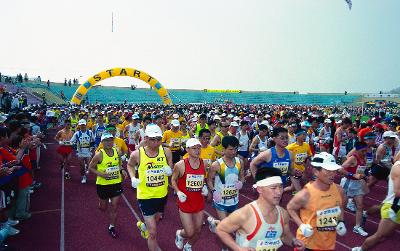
pixel 318 208
pixel 261 224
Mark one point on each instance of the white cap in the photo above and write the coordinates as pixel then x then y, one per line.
pixel 389 134
pixel 216 117
pixel 82 122
pixel 192 142
pixel 326 161
pixel 135 116
pixel 267 116
pixel 194 119
pixel 106 136
pixel 230 116
pixel 234 124
pixel 339 121
pixel 236 118
pixel 223 114
pixel 175 122
pixel 327 121
pixel 3 118
pixel 153 131
pixel 251 115
pixel 175 116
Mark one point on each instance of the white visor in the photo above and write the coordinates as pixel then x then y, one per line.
pixel 268 181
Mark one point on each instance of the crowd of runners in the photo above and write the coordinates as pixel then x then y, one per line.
pixel 206 153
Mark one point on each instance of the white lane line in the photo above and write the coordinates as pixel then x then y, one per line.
pixel 370 198
pixel 131 208
pixel 343 245
pixel 62 213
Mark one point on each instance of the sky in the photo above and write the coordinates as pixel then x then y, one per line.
pixel 259 45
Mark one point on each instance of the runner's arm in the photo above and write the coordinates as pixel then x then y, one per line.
pixel 132 163
pixel 215 140
pixel 176 174
pixel 242 177
pixel 298 201
pixel 380 153
pixel 58 135
pixel 168 154
pixel 262 157
pixel 349 163
pixel 253 144
pixel 230 225
pixel 93 164
pixel 287 237
pixel 211 175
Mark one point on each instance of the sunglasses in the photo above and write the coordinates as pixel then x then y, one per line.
pixel 225 126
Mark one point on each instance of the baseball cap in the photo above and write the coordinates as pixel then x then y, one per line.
pixel 389 134
pixel 216 117
pixel 175 116
pixel 153 131
pixel 234 124
pixel 326 161
pixel 175 122
pixel 192 142
pixel 82 122
pixel 106 135
pixel 135 116
pixel 110 127
pixel 327 121
pixel 305 124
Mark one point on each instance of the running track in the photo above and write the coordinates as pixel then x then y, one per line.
pixel 68 219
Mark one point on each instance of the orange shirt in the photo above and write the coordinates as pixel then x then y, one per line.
pixel 322 212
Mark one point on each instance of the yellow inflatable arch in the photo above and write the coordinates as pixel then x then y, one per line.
pixel 128 72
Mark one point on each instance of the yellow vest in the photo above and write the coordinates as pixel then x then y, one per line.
pixel 219 146
pixel 109 165
pixel 153 181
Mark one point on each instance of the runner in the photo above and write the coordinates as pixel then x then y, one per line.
pixel 188 183
pixel 260 141
pixel 390 212
pixel 106 164
pixel 217 140
pixel 99 129
pixel 275 157
pixel 84 141
pixel 119 143
pixel 318 208
pixel 153 163
pixel 354 186
pixel 226 178
pixel 340 140
pixel 63 137
pixel 172 139
pixel 325 136
pixel 301 153
pixel 131 131
pixel 261 224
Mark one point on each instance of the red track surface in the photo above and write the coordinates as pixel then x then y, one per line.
pixel 85 227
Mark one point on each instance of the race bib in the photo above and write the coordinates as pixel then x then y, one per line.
pixel 194 182
pixel 300 157
pixel 283 166
pixel 268 245
pixel 229 192
pixel 176 142
pixel 361 169
pixel 113 172
pixel 327 219
pixel 155 178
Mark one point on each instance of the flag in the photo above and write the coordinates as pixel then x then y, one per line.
pixel 349 3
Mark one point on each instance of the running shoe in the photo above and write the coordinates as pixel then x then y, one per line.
pixel 212 225
pixel 351 206
pixel 111 231
pixel 356 249
pixel 143 229
pixel 187 247
pixel 11 222
pixel 67 176
pixel 84 179
pixel 359 230
pixel 179 240
pixel 11 230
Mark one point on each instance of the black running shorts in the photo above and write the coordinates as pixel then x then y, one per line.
pixel 150 207
pixel 109 191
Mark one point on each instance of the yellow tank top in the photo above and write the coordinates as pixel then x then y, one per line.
pixel 110 165
pixel 322 212
pixel 219 146
pixel 153 181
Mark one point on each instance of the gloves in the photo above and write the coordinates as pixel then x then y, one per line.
pixel 238 184
pixel 306 230
pixel 123 158
pixel 167 170
pixel 61 142
pixel 135 182
pixel 217 197
pixel 204 191
pixel 341 228
pixel 181 196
